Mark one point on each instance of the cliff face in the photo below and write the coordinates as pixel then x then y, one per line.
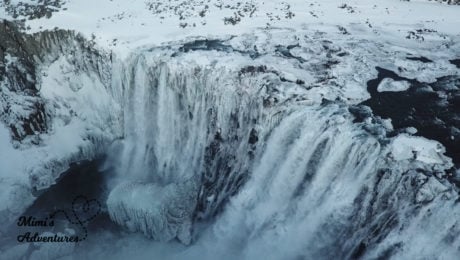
pixel 21 107
pixel 21 55
pixel 50 84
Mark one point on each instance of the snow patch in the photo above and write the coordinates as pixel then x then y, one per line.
pixel 391 85
pixel 410 147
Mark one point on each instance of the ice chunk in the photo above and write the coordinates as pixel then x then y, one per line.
pixel 388 84
pixel 429 190
pixel 405 147
pixel 411 130
pixel 160 212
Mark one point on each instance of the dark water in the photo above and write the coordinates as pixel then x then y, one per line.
pixel 83 180
pixel 456 62
pixel 422 59
pixel 433 109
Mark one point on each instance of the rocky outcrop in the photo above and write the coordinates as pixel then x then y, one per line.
pixel 21 56
pixel 34 9
pixel 52 86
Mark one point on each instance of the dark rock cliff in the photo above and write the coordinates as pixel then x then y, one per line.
pixel 21 55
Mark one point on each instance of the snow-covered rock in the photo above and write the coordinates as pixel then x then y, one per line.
pixel 430 190
pixel 57 107
pixel 418 148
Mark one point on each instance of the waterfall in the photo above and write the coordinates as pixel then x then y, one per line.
pixel 188 124
pixel 272 176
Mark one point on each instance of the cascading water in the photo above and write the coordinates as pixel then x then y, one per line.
pixel 286 143
pixel 195 129
pixel 273 176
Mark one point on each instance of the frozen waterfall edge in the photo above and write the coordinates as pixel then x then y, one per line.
pixel 245 140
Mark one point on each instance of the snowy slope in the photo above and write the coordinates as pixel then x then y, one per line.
pixel 122 25
pixel 56 109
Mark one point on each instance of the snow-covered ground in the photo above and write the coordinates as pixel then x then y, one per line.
pixel 124 24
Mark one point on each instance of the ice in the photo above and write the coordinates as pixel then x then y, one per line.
pixel 388 84
pixel 83 121
pixel 406 147
pixel 430 190
pixel 313 185
pixel 15 252
pixel 52 250
pixel 160 212
pixel 314 157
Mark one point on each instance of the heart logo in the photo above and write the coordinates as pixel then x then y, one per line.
pixel 85 210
